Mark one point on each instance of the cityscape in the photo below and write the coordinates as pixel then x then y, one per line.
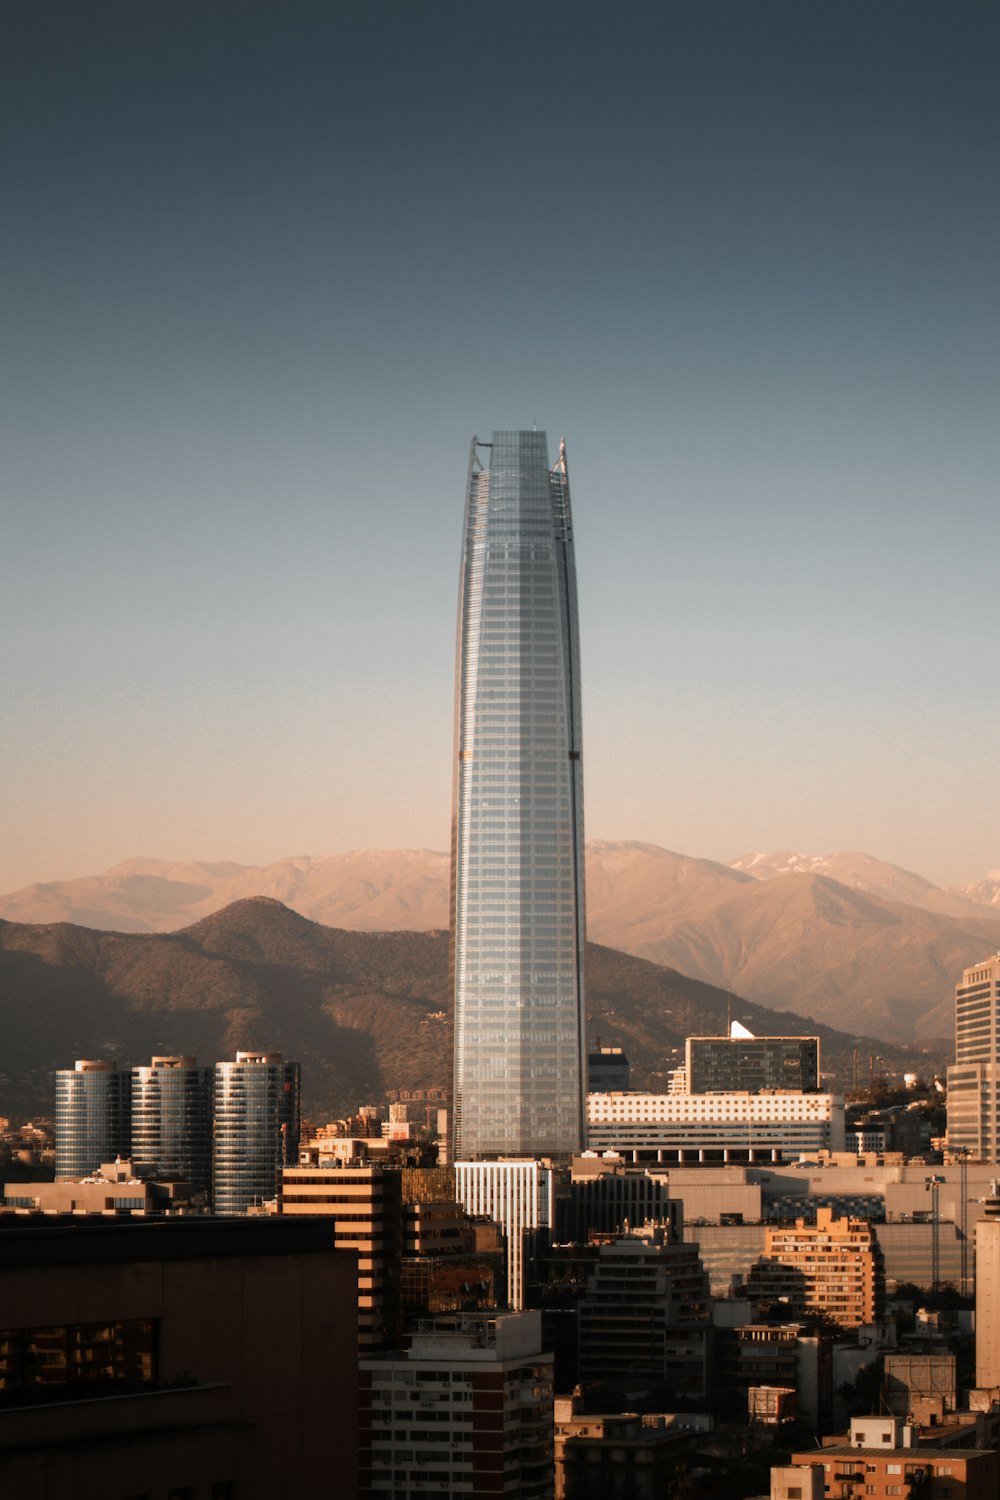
pixel 548 1167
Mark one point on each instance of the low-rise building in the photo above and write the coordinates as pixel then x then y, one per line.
pixel 883 1458
pixel 723 1127
pixel 113 1188
pixel 622 1457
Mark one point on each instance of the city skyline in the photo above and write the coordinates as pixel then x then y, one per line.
pixel 744 255
pixel 518 924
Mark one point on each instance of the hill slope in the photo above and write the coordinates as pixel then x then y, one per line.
pixel 362 1012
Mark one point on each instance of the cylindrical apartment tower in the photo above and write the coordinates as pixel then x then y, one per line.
pixel 172 1120
pixel 92 1116
pixel 256 1128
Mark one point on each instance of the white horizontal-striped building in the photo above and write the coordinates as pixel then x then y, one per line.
pixel 711 1127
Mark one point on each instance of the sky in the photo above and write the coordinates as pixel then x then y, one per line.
pixel 266 268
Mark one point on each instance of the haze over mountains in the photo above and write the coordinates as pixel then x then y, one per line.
pixel 362 1011
pixel 846 938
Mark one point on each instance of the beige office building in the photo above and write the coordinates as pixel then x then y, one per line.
pixel 365 1205
pixel 974 1081
pixel 988 1304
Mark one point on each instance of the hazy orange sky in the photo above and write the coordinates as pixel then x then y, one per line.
pixel 268 268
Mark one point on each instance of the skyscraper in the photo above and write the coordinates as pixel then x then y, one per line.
pixel 172 1120
pixel 974 1080
pixel 256 1128
pixel 517 919
pixel 92 1116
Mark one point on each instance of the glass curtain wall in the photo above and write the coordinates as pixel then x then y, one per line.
pixel 517 856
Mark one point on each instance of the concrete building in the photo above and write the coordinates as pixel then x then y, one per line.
pixel 883 1458
pixel 191 1357
pixel 833 1266
pixel 645 1312
pixel 621 1457
pixel 988 1304
pixel 365 1205
pixel 797 1482
pixel 519 1196
pixel 112 1189
pixel 694 1128
pixel 93 1116
pixel 599 1197
pixel 465 1411
pixel 974 1080
pixel 781 1355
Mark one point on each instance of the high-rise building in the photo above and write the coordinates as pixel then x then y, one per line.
pixel 517 919
pixel 645 1313
pixel 172 1120
pixel 92 1116
pixel 988 1303
pixel 520 1197
pixel 256 1128
pixel 365 1204
pixel 974 1080
pixel 833 1266
pixel 466 1410
pixel 742 1063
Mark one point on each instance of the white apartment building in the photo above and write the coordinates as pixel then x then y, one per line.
pixel 519 1196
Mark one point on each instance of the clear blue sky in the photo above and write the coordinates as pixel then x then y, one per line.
pixel 267 267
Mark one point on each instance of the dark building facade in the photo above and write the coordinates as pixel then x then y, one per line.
pixel 195 1357
pixel 752 1065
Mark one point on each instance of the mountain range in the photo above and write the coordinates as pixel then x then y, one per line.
pixel 849 939
pixel 363 1012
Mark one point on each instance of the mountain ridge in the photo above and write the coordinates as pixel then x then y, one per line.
pixel 362 1012
pixel 859 942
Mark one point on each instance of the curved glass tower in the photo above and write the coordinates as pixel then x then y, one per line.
pixel 517 919
pixel 172 1120
pixel 93 1120
pixel 256 1128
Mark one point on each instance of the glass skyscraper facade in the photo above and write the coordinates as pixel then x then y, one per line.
pixel 256 1124
pixel 752 1064
pixel 974 1080
pixel 172 1120
pixel 93 1116
pixel 517 920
